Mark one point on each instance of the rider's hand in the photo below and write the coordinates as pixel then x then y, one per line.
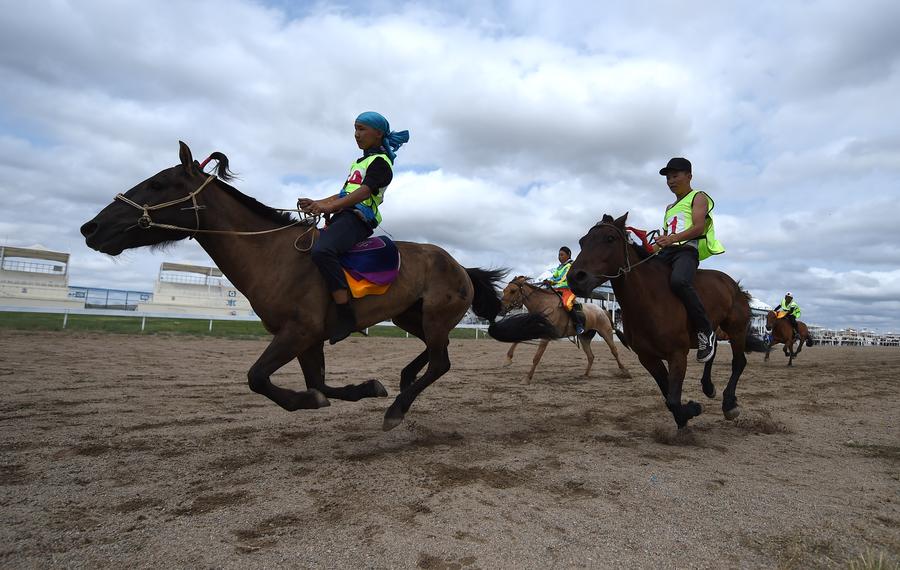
pixel 316 207
pixel 665 241
pixel 545 282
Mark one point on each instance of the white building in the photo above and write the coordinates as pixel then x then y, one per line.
pixel 35 277
pixel 195 289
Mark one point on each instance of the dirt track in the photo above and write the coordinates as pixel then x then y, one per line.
pixel 132 451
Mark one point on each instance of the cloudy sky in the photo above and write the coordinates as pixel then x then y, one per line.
pixel 528 120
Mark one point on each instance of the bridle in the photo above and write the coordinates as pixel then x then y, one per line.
pixel 629 267
pixel 145 222
pixel 523 296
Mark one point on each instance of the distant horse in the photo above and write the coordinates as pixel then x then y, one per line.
pixel 655 322
pixel 520 292
pixel 780 330
pixel 256 247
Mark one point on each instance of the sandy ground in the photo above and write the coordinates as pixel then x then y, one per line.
pixel 129 451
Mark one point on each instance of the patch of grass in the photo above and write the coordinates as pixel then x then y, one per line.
pixel 197 327
pixel 871 560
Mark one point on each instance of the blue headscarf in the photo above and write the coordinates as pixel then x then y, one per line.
pixel 392 139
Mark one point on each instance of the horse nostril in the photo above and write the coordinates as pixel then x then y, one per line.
pixel 88 229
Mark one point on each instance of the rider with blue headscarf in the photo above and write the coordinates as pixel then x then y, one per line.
pixel 354 210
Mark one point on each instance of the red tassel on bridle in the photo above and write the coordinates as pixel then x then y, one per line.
pixel 203 164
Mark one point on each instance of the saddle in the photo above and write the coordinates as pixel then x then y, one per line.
pixel 371 266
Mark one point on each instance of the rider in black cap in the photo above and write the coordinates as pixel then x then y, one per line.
pixel 689 237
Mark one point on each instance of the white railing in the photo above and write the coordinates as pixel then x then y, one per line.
pixel 144 315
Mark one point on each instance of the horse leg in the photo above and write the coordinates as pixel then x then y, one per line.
pixel 586 347
pixel 411 370
pixel 537 358
pixel 657 369
pixel 280 351
pixel 768 350
pixel 709 389
pixel 312 362
pixel 610 342
pixel 681 412
pixel 738 361
pixel 509 353
pixel 438 365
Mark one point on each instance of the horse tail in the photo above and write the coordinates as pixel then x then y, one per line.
pixel 519 328
pixel 754 343
pixel 486 303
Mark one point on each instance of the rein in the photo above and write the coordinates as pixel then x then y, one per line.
pixel 145 222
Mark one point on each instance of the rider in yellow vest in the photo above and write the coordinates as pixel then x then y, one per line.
pixel 354 210
pixel 792 310
pixel 688 238
pixel 559 282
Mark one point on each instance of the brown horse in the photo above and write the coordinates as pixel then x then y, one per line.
pixel 256 247
pixel 655 321
pixel 780 330
pixel 521 293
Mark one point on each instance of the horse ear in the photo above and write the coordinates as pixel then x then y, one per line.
pixel 621 221
pixel 187 160
pixel 606 218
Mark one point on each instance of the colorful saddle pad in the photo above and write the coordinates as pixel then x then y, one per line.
pixel 371 266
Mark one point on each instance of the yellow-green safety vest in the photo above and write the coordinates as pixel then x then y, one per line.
pixel 679 217
pixel 559 278
pixel 369 206
pixel 792 308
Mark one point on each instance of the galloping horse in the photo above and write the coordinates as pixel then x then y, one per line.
pixel 256 248
pixel 520 292
pixel 655 321
pixel 780 330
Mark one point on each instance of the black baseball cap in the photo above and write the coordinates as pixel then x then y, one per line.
pixel 676 164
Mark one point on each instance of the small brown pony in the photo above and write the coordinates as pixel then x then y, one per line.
pixel 521 293
pixel 780 330
pixel 256 248
pixel 655 321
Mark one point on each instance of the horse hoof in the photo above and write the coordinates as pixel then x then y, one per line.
pixel 393 417
pixel 624 373
pixel 694 409
pixel 733 413
pixel 526 381
pixel 378 389
pixel 391 423
pixel 507 363
pixel 319 399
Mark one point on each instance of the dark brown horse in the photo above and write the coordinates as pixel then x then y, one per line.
pixel 256 247
pixel 780 330
pixel 655 321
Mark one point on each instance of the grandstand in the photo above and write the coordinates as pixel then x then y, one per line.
pixel 195 290
pixel 35 277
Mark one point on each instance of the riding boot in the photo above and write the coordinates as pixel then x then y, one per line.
pixel 578 318
pixel 345 325
pixel 706 346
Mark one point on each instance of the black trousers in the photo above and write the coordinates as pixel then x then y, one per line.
pixel 684 261
pixel 345 230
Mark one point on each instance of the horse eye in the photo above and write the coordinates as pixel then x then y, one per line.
pixel 610 239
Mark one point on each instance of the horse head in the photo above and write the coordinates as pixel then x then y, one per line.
pixel 603 255
pixel 771 319
pixel 513 295
pixel 133 219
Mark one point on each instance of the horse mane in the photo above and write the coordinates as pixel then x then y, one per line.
pixel 224 173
